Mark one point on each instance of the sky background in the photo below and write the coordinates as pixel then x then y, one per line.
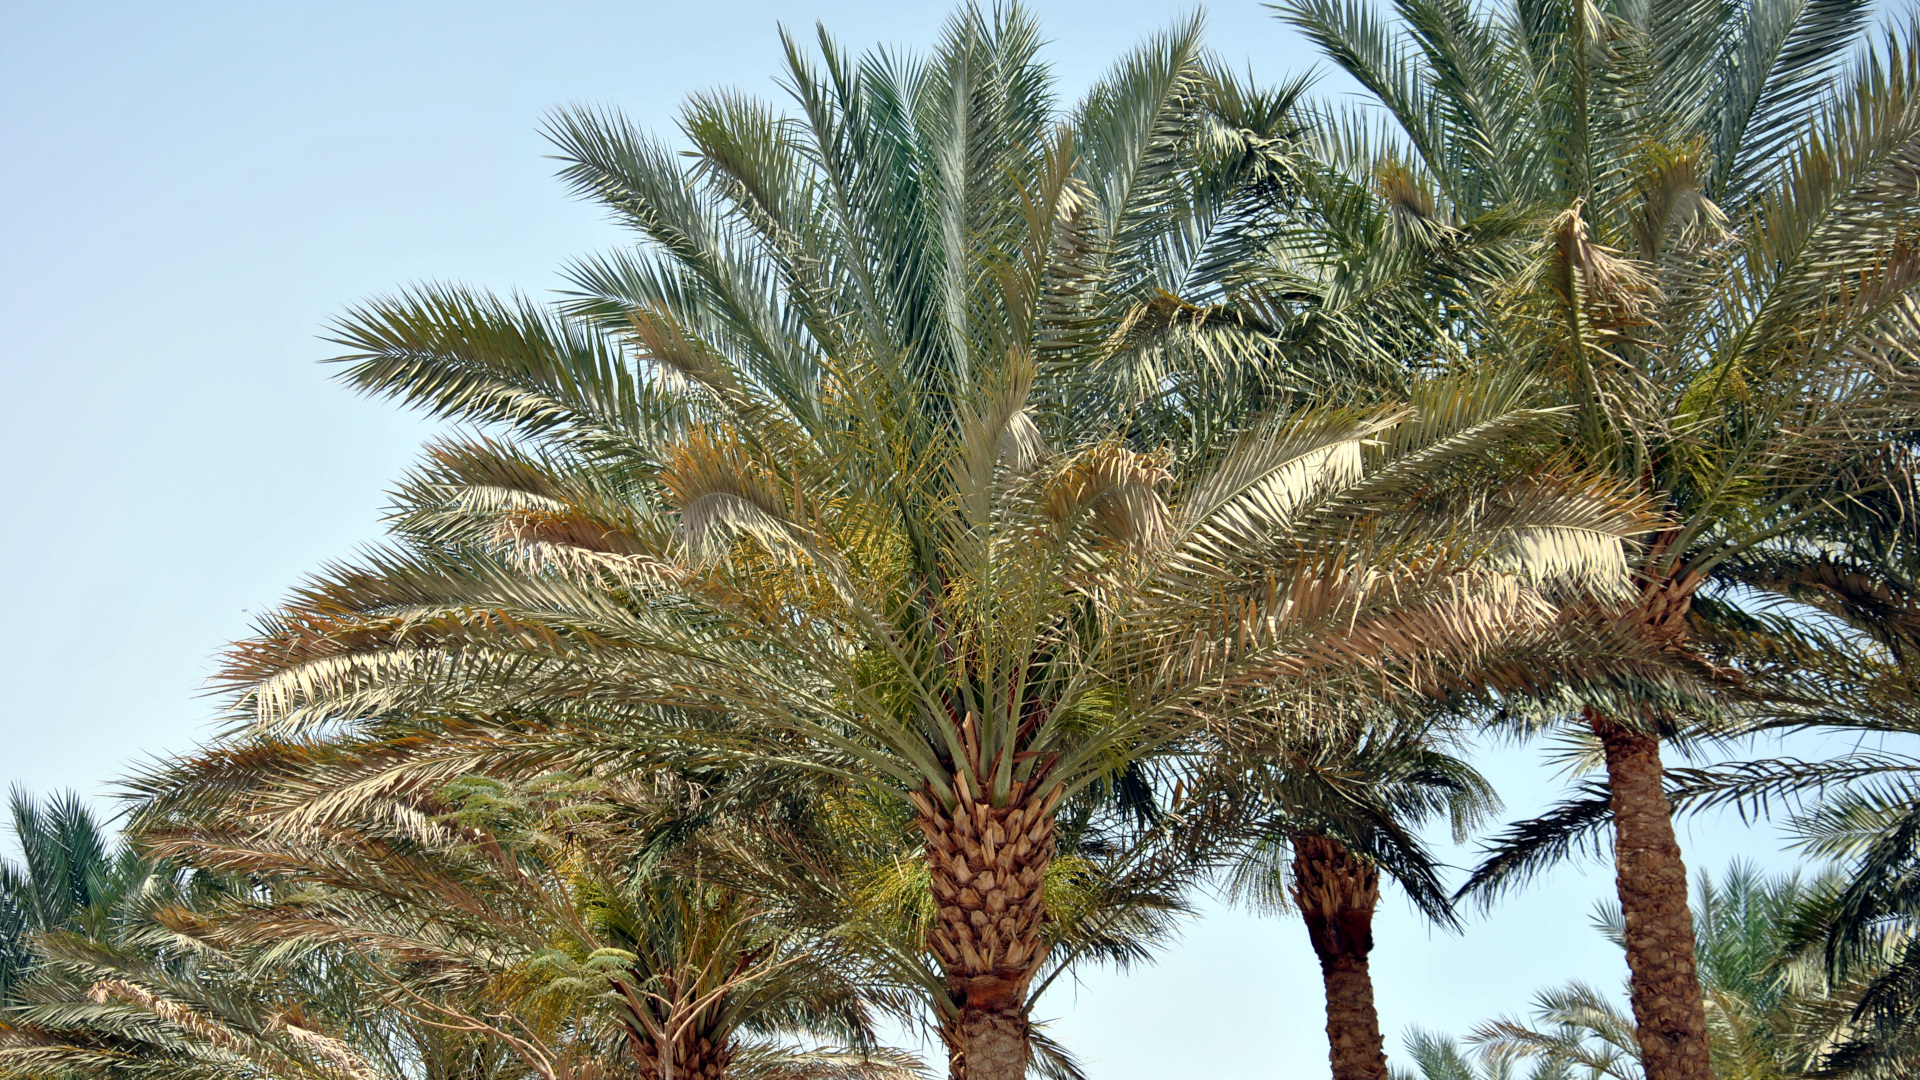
pixel 188 192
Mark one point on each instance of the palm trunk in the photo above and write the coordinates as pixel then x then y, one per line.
pixel 1337 891
pixel 988 866
pixel 1668 1008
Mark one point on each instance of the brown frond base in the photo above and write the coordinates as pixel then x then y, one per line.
pixel 988 866
pixel 1337 892
pixel 696 1056
pixel 1668 1008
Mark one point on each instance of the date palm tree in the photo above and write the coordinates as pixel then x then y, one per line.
pixel 1772 1012
pixel 1321 627
pixel 1345 805
pixel 833 473
pixel 1692 220
pixel 71 876
pixel 160 1002
pixel 1855 811
pixel 128 983
pixel 1436 1057
pixel 566 920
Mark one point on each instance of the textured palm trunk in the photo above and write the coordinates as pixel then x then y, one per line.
pixel 1336 892
pixel 1668 1008
pixel 988 866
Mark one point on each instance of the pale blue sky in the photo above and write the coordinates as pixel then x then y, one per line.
pixel 191 190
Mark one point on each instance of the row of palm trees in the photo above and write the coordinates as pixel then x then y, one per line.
pixel 960 526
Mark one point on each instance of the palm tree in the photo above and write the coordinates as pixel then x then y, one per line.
pixel 1695 217
pixel 161 1000
pixel 1439 1058
pixel 115 976
pixel 1853 809
pixel 752 858
pixel 564 919
pixel 827 475
pixel 1323 642
pixel 1574 1028
pixel 1855 931
pixel 1772 1013
pixel 71 875
pixel 1345 805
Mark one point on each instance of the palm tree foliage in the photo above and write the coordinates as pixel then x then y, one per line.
pixel 1855 810
pixel 73 875
pixel 1341 807
pixel 1575 1029
pixel 1772 1012
pixel 1436 1057
pixel 159 1001
pixel 124 982
pixel 569 921
pixel 702 913
pixel 1858 937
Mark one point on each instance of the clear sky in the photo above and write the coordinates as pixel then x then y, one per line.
pixel 188 191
